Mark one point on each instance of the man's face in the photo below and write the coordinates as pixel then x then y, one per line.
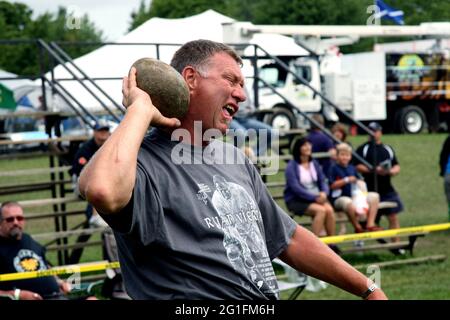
pixel 12 223
pixel 217 94
pixel 377 136
pixel 100 136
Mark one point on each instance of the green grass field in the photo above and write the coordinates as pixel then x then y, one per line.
pixel 419 185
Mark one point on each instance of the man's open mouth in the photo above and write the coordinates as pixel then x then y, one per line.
pixel 229 110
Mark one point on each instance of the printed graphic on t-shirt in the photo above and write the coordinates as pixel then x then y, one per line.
pixel 202 193
pixel 240 219
pixel 28 260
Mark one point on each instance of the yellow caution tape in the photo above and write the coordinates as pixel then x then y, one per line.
pixel 99 266
pixel 60 270
pixel 386 233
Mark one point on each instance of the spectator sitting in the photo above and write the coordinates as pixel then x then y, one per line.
pixel 343 179
pixel 244 121
pixel 306 189
pixel 322 143
pixel 20 253
pixel 339 131
pixel 386 166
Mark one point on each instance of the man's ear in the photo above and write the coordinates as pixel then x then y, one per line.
pixel 190 76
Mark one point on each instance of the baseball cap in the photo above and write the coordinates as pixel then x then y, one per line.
pixel 375 126
pixel 101 125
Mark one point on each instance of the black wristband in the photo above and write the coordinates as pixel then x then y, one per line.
pixel 369 291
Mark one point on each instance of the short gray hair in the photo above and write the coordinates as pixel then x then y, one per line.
pixel 8 204
pixel 197 54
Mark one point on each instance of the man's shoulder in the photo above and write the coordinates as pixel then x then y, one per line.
pixel 88 143
pixel 363 146
pixel 154 142
pixel 163 149
pixel 87 146
pixel 367 143
pixel 28 238
pixel 389 149
pixel 387 146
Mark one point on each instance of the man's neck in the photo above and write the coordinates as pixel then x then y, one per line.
pixel 7 238
pixel 377 142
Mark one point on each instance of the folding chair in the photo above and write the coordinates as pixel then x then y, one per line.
pixel 295 280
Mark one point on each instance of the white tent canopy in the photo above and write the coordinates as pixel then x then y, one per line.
pixel 13 83
pixel 115 60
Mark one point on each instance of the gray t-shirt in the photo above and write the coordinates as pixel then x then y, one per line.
pixel 199 231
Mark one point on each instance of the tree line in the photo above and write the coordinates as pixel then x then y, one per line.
pixel 16 21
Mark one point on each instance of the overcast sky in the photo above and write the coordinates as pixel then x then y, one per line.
pixel 113 17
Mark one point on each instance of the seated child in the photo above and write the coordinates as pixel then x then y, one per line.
pixel 346 191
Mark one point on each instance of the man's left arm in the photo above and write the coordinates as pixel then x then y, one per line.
pixel 395 170
pixel 309 255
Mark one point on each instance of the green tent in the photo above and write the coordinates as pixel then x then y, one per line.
pixel 7 98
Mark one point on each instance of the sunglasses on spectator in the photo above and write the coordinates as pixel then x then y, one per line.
pixel 11 219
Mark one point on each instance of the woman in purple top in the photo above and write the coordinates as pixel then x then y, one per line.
pixel 306 189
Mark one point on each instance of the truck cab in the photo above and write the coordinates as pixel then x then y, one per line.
pixel 285 115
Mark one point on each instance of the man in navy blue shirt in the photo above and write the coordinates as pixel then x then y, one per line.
pixel 20 253
pixel 384 161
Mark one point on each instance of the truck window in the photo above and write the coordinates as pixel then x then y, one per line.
pixel 304 72
pixel 272 75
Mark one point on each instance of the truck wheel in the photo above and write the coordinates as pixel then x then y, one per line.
pixel 411 119
pixel 282 119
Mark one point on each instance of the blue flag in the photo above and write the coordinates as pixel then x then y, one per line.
pixel 389 13
pixel 25 102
